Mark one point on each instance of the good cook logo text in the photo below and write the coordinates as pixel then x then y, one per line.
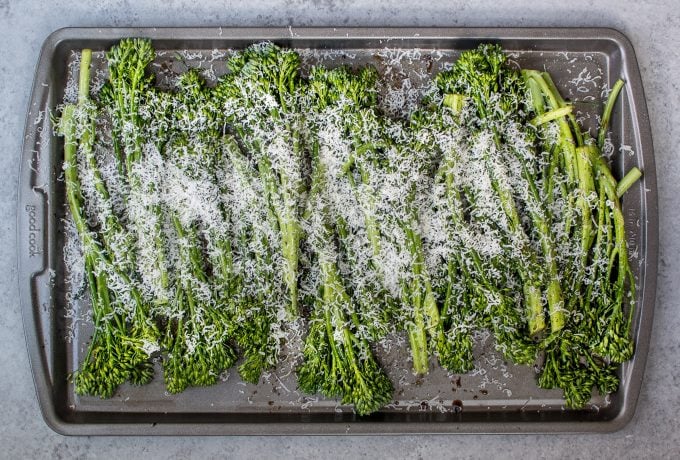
pixel 33 232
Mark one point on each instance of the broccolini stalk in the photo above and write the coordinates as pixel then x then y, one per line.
pixel 338 362
pixel 332 95
pixel 198 326
pixel 578 170
pixel 259 99
pixel 198 314
pixel 615 343
pixel 495 94
pixel 475 286
pixel 126 92
pixel 580 360
pixel 244 278
pixel 454 345
pixel 606 115
pixel 396 167
pixel 191 141
pixel 198 351
pixel 376 164
pixel 584 358
pixel 121 342
pixel 119 244
pixel 595 177
pixel 257 304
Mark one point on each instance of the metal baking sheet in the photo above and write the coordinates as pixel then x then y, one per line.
pixel 497 397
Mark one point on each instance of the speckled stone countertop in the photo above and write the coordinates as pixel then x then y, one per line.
pixel 653 26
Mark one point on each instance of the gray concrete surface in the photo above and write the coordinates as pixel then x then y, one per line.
pixel 653 27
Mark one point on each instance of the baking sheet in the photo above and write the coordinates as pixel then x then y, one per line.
pixel 496 397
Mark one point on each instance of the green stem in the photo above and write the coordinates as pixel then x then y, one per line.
pixel 628 180
pixel 84 77
pixel 608 108
pixel 551 115
pixel 528 275
pixel 454 102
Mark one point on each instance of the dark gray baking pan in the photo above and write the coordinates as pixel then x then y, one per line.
pixel 496 398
